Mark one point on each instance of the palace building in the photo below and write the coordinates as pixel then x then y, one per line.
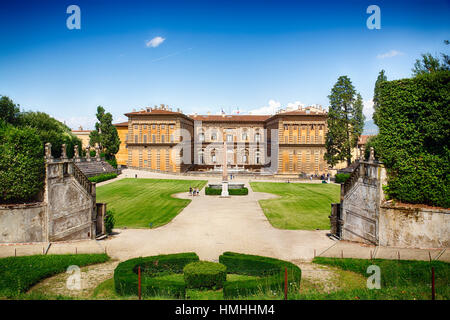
pixel 160 139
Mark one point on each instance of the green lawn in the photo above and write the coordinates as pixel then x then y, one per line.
pixel 138 202
pixel 304 206
pixel 18 274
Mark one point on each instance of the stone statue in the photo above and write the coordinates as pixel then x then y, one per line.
pixel 372 155
pixel 76 156
pixel 63 151
pixel 97 152
pixel 88 153
pixel 361 153
pixel 48 151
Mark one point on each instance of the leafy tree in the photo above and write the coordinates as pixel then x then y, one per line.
pixel 21 164
pixel 413 141
pixel 345 121
pixel 105 134
pixel 376 96
pixel 8 110
pixel 431 64
pixel 50 130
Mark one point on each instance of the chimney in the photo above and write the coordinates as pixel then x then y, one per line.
pixel 209 113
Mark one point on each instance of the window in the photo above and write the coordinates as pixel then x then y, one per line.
pixel 201 137
pixel 171 138
pixel 163 126
pixel 135 127
pixel 136 138
pixel 213 156
pixel 201 159
pixel 257 158
pixel 286 127
pixel 229 138
pixel 153 126
pixel 145 138
pixel 214 136
pixel 171 126
pixel 153 138
pixel 145 126
pixel 244 136
pixel 257 137
pixel 162 138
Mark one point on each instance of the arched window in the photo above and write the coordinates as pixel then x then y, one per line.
pixel 201 136
pixel 213 156
pixel 257 137
pixel 245 157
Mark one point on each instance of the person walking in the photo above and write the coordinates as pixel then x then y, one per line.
pixel 190 191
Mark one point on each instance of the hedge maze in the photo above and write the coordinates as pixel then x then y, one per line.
pixel 267 274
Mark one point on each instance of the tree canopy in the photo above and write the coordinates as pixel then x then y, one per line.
pixel 105 134
pixel 9 111
pixel 345 121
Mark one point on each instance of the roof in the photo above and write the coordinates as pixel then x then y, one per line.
pixel 231 118
pixel 363 139
pixel 152 112
pixel 121 124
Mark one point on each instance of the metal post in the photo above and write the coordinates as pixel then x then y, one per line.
pixel 433 292
pixel 139 282
pixel 286 283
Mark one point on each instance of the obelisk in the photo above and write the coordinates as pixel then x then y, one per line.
pixel 224 172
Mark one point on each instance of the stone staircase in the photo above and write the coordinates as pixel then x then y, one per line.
pixel 94 167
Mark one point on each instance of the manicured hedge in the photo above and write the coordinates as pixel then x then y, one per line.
pixel 205 274
pixel 126 275
pixel 413 139
pixel 18 274
pixel 103 177
pixel 341 177
pixel 270 270
pixel 22 167
pixel 232 192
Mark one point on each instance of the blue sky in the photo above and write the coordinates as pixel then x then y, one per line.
pixel 251 55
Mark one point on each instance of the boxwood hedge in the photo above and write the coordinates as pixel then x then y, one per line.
pixel 232 192
pixel 126 275
pixel 205 274
pixel 271 271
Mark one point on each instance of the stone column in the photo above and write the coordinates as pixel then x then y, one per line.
pixel 225 172
pixel 63 152
pixel 48 152
pixel 88 153
pixel 97 152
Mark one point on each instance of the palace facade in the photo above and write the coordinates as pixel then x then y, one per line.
pixel 289 142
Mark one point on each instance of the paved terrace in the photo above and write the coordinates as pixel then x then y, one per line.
pixel 210 225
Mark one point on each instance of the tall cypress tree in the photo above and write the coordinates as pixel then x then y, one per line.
pixel 105 134
pixel 381 78
pixel 345 121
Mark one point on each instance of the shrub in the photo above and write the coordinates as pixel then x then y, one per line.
pixel 109 221
pixel 21 164
pixel 18 274
pixel 271 270
pixel 413 137
pixel 103 177
pixel 341 177
pixel 205 274
pixel 126 275
pixel 232 192
pixel 112 162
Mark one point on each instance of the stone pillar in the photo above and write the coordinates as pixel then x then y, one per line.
pixel 225 172
pixel 48 152
pixel 372 155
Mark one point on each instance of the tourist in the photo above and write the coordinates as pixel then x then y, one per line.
pixel 190 190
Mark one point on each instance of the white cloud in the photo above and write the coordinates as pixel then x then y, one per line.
pixel 390 54
pixel 272 108
pixel 156 41
pixel 368 109
pixel 74 123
